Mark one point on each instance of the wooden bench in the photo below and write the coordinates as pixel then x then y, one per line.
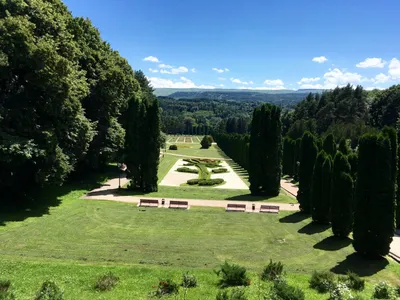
pixel 178 204
pixel 269 209
pixel 148 203
pixel 236 207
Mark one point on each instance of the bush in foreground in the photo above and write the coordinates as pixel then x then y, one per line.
pixel 354 282
pixel 106 282
pixel 165 288
pixel 236 294
pixel 284 291
pixel 322 281
pixel 4 285
pixel 5 293
pixel 188 280
pixel 272 271
pixel 232 275
pixel 340 291
pixel 382 291
pixel 173 147
pixel 49 291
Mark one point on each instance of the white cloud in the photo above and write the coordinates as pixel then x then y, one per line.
pixel 274 82
pixel 320 59
pixel 394 68
pixel 184 83
pixel 193 70
pixel 308 80
pixel 372 62
pixel 175 71
pixel 370 88
pixel 221 78
pixel 312 86
pixel 251 82
pixel 151 59
pixel 238 81
pixel 221 85
pixel 381 78
pixel 336 77
pixel 226 70
pixel 218 70
pixel 164 66
pixel 153 71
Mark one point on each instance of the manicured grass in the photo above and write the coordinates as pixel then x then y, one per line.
pixel 195 150
pixel 82 239
pixel 165 165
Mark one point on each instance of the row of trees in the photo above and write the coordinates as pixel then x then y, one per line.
pixel 64 93
pixel 352 192
pixel 235 146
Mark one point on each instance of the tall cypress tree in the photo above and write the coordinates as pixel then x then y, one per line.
pixel 320 198
pixel 341 197
pixel 375 202
pixel 307 159
pixel 296 163
pixel 329 145
pixel 343 147
pixel 266 146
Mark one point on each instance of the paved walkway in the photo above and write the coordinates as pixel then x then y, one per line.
pixel 191 156
pixel 395 247
pixel 289 187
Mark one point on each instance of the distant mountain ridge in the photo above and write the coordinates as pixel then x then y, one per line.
pixel 272 96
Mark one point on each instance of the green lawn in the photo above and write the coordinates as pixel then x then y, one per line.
pixel 195 150
pixel 81 239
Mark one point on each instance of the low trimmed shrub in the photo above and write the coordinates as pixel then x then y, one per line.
pixel 284 291
pixel 49 291
pixel 192 181
pixel 189 164
pixel 4 285
pixel 236 294
pixel 322 281
pixel 187 170
pixel 354 282
pixel 232 275
pixel 210 182
pixel 382 291
pixel 340 292
pixel 397 291
pixel 106 282
pixel 188 280
pixel 220 170
pixel 173 147
pixel 272 271
pixel 165 288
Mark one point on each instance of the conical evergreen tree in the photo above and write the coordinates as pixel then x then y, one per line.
pixel 320 185
pixel 329 145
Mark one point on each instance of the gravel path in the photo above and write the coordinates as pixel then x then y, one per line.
pixel 232 179
pixel 191 156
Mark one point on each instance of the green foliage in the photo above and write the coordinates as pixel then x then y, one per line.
pixel 283 291
pixel 193 181
pixel 236 146
pixel 341 197
pixel 386 107
pixel 220 170
pixel 4 285
pixel 329 145
pixel 106 282
pixel 340 291
pixel 321 185
pixel 308 154
pixel 235 294
pixel 49 291
pixel 397 291
pixel 188 280
pixel 272 271
pixel 210 182
pixel 165 288
pixel 344 147
pixel 382 291
pixel 354 282
pixel 353 161
pixel 288 161
pixel 206 142
pixel 173 147
pixel 265 159
pixel 187 170
pixel 7 295
pixel 232 275
pixel 322 281
pixel 374 215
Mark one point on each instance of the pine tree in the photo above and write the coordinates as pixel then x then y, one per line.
pixel 266 151
pixel 375 197
pixel 329 145
pixel 341 197
pixel 321 182
pixel 307 159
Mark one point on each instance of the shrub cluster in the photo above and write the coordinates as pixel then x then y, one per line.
pixel 322 281
pixel 5 293
pixel 210 182
pixel 49 291
pixel 232 275
pixel 283 290
pixel 272 271
pixel 192 181
pixel 188 280
pixel 106 282
pixel 235 294
pixel 173 147
pixel 165 288
pixel 382 291
pixel 220 170
pixel 187 170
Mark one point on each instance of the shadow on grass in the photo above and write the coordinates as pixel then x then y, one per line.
pixel 360 265
pixel 294 218
pixel 333 243
pixel 248 197
pixel 40 201
pixel 313 228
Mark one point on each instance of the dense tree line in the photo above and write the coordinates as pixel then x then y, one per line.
pixel 235 146
pixel 63 95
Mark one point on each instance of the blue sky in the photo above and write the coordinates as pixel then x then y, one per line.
pixel 278 44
